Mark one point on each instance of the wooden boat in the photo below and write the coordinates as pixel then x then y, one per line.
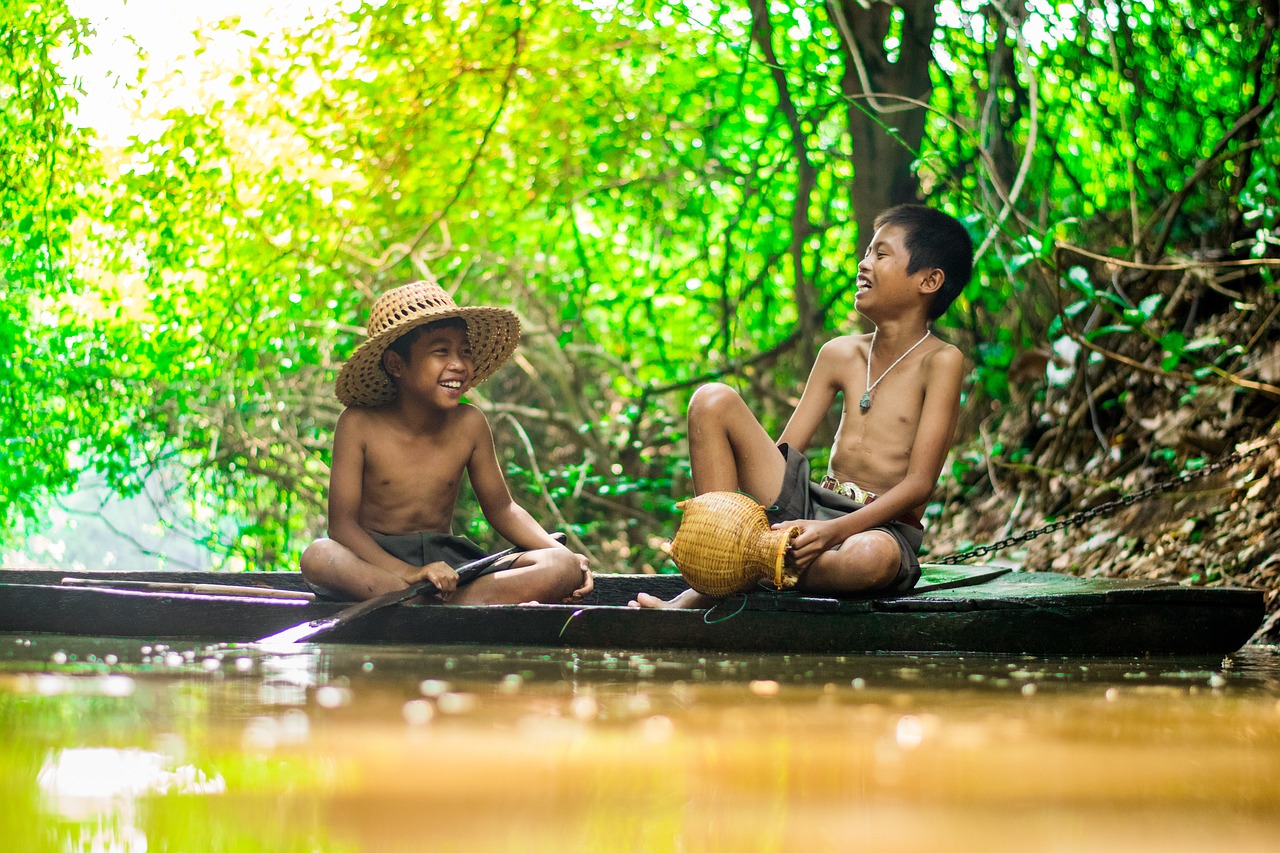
pixel 954 609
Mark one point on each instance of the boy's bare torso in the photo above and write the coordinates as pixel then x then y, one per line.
pixel 412 475
pixel 873 448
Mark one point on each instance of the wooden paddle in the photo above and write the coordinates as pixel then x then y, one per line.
pixel 192 588
pixel 467 572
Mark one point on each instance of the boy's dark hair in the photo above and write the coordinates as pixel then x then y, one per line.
pixel 401 345
pixel 937 241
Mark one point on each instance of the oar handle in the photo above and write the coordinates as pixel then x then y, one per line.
pixel 472 569
pixel 468 572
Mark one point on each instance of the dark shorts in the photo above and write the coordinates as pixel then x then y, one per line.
pixel 801 498
pixel 427 546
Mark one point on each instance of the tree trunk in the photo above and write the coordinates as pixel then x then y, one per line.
pixel 885 132
pixel 806 179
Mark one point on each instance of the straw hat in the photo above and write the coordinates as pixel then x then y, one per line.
pixel 724 545
pixel 492 332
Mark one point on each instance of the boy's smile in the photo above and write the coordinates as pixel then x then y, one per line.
pixel 439 367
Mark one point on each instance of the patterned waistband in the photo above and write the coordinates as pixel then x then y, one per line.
pixel 852 491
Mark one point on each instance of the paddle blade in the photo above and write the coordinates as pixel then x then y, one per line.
pixel 300 633
pixel 307 630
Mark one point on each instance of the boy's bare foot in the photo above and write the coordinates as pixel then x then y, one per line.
pixel 690 599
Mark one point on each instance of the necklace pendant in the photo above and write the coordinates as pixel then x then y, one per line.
pixel 865 402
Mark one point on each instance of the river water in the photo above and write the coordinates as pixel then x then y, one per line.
pixel 112 745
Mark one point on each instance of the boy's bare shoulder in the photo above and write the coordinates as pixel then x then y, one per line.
pixel 844 347
pixel 353 418
pixel 469 417
pixel 360 419
pixel 847 343
pixel 943 368
pixel 945 356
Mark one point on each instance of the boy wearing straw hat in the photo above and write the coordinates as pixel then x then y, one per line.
pixel 859 530
pixel 399 453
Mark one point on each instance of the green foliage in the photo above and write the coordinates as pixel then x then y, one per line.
pixel 47 189
pixel 1129 99
pixel 663 192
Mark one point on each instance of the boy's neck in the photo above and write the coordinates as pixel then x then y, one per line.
pixel 899 334
pixel 419 417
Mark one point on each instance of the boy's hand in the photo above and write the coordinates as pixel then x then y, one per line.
pixel 814 539
pixel 440 574
pixel 588 582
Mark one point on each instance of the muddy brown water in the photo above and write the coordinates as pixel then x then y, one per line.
pixel 112 745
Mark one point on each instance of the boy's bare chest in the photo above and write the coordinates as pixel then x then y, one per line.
pixel 887 401
pixel 885 428
pixel 416 462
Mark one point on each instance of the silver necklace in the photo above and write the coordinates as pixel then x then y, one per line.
pixel 864 404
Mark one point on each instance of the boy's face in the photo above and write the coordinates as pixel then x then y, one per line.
pixel 882 273
pixel 438 368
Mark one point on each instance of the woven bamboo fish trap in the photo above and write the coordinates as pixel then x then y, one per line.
pixel 724 545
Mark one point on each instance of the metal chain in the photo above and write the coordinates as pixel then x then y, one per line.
pixel 1102 509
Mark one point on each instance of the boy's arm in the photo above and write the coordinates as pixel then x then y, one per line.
pixel 346 485
pixel 507 517
pixel 939 413
pixel 816 399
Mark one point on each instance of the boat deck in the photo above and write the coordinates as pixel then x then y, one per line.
pixel 955 609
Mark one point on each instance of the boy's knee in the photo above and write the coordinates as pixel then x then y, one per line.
pixel 870 560
pixel 317 557
pixel 711 398
pixel 881 560
pixel 565 570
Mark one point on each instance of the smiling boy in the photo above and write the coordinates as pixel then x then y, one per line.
pixel 860 528
pixel 400 450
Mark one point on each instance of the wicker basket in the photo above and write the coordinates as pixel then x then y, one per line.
pixel 724 545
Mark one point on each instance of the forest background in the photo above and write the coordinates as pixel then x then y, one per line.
pixel 667 194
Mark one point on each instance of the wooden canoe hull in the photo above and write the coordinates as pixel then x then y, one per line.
pixel 973 609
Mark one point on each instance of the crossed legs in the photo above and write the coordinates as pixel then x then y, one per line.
pixel 548 575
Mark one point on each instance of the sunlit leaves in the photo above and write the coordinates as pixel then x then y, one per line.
pixel 624 175
pixel 48 347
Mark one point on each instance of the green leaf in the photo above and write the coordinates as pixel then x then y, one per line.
pixel 1110 329
pixel 1079 276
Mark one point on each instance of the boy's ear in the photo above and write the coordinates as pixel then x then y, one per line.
pixel 393 363
pixel 932 280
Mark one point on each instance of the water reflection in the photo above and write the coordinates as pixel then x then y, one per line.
pixel 136 747
pixel 95 792
pixel 80 781
pixel 286 679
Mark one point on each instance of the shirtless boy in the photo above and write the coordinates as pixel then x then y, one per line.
pixel 860 529
pixel 399 452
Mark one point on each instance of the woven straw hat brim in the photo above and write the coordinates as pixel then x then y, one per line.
pixel 493 334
